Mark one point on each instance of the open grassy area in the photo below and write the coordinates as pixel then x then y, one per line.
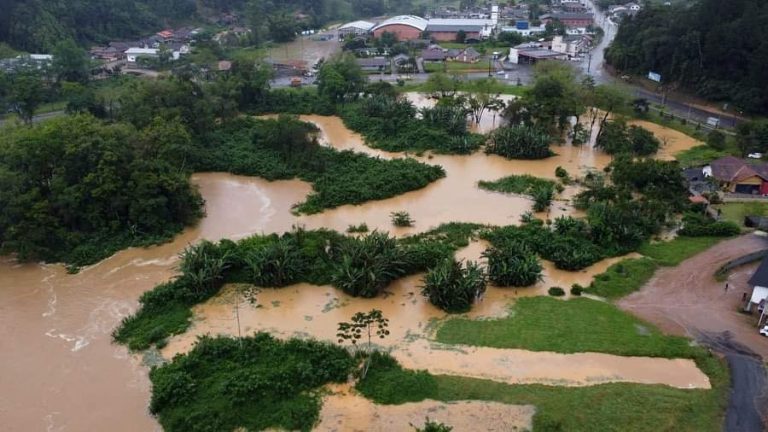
pixel 702 155
pixel 455 66
pixel 577 325
pixel 623 278
pixel 736 212
pixel 605 407
pixel 673 252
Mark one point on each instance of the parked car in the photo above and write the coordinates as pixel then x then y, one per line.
pixel 764 331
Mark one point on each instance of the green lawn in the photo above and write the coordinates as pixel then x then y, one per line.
pixel 577 325
pixel 605 407
pixel 623 278
pixel 674 252
pixel 735 212
pixel 701 155
pixel 454 66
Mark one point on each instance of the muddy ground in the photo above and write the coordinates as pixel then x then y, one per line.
pixel 687 300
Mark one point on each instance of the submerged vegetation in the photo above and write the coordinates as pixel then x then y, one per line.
pixel 513 264
pixel 520 142
pixel 76 190
pixel 285 148
pixel 605 407
pixel 453 286
pixel 253 383
pixel 360 266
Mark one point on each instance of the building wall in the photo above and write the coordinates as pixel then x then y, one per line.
pixel 451 36
pixel 403 32
pixel 752 181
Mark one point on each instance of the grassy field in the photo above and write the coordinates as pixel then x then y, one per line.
pixel 702 155
pixel 623 278
pixel 577 325
pixel 605 407
pixel 674 252
pixel 735 212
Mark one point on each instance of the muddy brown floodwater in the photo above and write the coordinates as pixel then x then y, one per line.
pixel 62 373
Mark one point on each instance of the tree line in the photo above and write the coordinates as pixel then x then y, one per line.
pixel 716 49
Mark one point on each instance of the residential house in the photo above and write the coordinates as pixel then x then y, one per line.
pixel 469 55
pixel 433 55
pixel 739 176
pixel 759 283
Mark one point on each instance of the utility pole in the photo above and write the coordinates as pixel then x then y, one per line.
pixel 489 66
pixel 589 62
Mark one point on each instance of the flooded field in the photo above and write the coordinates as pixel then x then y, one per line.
pixel 62 373
pixel 346 411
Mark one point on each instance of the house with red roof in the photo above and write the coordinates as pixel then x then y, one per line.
pixel 739 176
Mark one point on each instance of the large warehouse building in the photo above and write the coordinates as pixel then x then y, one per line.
pixel 405 27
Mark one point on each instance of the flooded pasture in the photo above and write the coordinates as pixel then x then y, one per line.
pixel 346 411
pixel 62 373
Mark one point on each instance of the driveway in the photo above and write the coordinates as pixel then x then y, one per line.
pixel 687 300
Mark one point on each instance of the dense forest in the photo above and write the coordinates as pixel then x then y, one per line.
pixel 716 48
pixel 37 25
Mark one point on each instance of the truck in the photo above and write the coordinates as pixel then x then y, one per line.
pixel 295 82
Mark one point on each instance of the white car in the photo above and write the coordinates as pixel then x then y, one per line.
pixel 764 331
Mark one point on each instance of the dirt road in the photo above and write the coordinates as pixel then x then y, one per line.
pixel 687 300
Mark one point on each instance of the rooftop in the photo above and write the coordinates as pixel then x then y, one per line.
pixel 363 25
pixel 409 20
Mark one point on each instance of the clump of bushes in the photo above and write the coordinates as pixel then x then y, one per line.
pixel 576 289
pixel 556 291
pixel 366 265
pixel 252 383
pixel 362 228
pixel 513 264
pixel 520 142
pixel 401 219
pixel 453 287
pixel 616 138
pixel 432 426
pixel 697 225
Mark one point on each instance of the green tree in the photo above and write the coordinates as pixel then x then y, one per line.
pixel 25 95
pixel 70 62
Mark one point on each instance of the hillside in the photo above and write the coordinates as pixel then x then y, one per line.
pixel 717 49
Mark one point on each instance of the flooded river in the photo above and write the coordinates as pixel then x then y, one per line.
pixel 61 371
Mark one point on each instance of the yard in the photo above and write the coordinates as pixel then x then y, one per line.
pixel 736 211
pixel 454 66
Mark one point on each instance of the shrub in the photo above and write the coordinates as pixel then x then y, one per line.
pixel 514 264
pixel 696 225
pixel 277 264
pixel 453 287
pixel 388 383
pixel 401 219
pixel 362 228
pixel 542 198
pixel 365 266
pixel 520 142
pixel 576 289
pixel 432 426
pixel 556 292
pixel 252 383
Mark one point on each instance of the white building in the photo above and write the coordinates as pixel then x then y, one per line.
pixel 133 54
pixel 355 28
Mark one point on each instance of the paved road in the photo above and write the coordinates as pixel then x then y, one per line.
pixel 37 118
pixel 748 404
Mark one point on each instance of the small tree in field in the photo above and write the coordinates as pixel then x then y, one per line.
pixel 364 326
